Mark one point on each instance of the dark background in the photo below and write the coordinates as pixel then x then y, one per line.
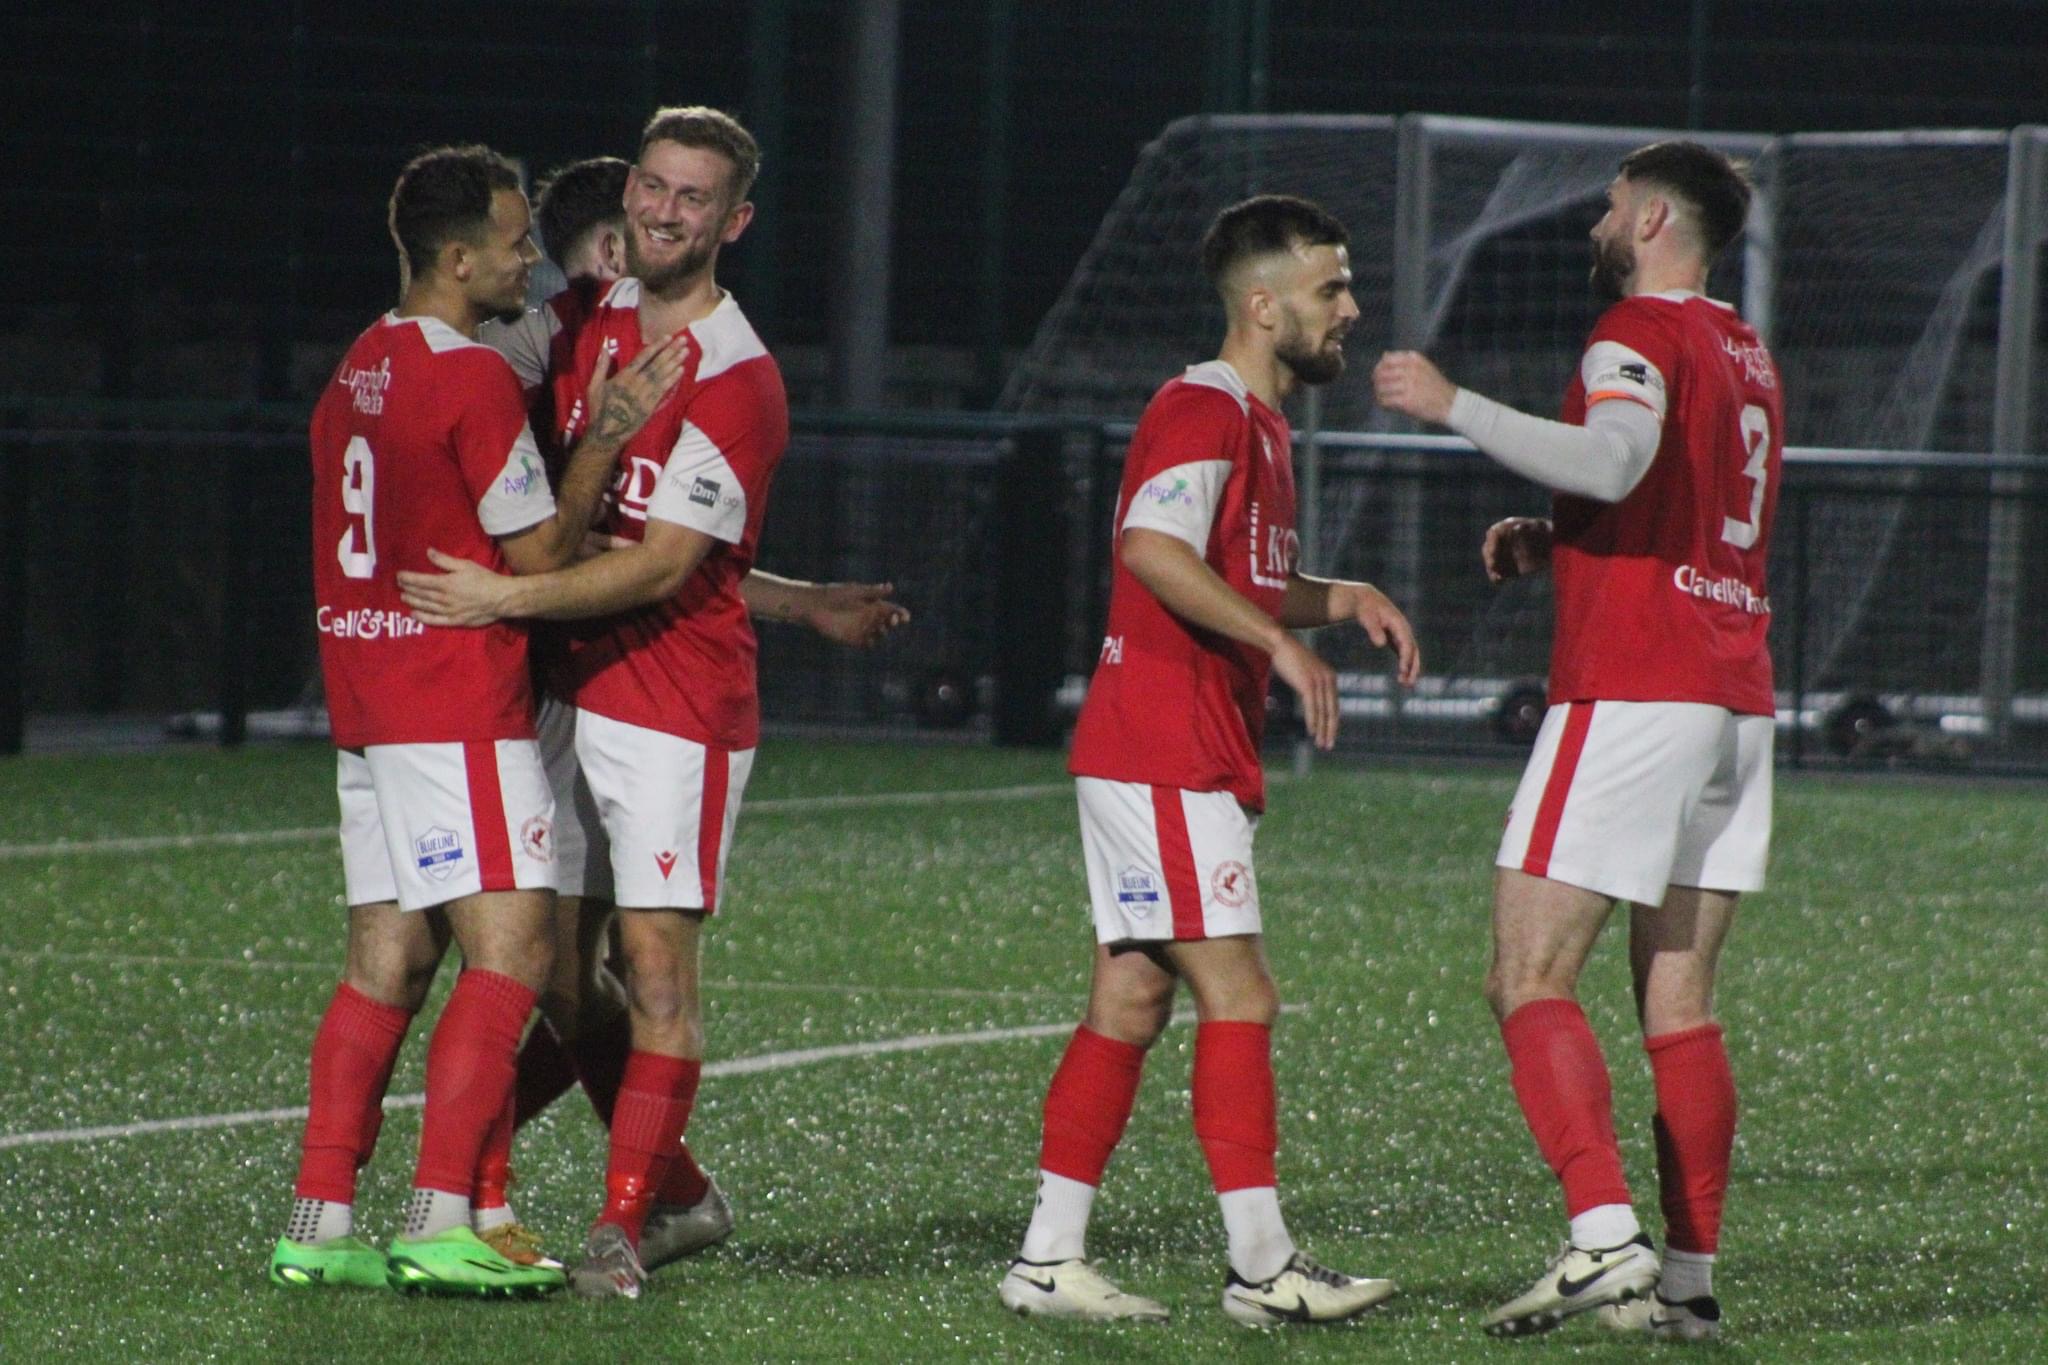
pixel 196 191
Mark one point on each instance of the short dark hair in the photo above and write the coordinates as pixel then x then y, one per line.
pixel 575 199
pixel 1717 188
pixel 444 194
pixel 697 125
pixel 1263 225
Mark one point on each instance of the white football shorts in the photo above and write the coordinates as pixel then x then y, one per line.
pixel 425 824
pixel 668 806
pixel 1166 865
pixel 583 854
pixel 1629 798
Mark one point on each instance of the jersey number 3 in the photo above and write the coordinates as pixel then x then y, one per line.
pixel 359 500
pixel 1756 439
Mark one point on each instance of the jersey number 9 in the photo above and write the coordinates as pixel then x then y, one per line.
pixel 358 499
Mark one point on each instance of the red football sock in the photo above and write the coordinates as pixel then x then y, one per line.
pixel 469 1076
pixel 1695 1126
pixel 684 1182
pixel 1088 1105
pixel 1234 1104
pixel 601 1063
pixel 546 1071
pixel 353 1053
pixel 494 1161
pixel 1561 1080
pixel 647 1130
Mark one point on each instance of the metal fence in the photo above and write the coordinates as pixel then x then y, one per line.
pixel 154 572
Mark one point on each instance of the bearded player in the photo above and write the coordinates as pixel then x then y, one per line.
pixel 1651 778
pixel 1166 764
pixel 580 212
pixel 662 681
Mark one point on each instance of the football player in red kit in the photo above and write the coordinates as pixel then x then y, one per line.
pixel 1651 778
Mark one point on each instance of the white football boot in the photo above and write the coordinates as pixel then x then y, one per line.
pixel 1577 1281
pixel 1073 1289
pixel 1693 1320
pixel 1303 1291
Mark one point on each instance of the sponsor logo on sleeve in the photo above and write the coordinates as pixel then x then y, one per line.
pixel 1137 891
pixel 438 852
pixel 526 480
pixel 1633 373
pixel 1230 885
pixel 1160 493
pixel 704 492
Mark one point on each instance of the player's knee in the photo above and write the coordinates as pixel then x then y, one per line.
pixel 1135 1020
pixel 527 958
pixel 1494 990
pixel 390 977
pixel 1251 999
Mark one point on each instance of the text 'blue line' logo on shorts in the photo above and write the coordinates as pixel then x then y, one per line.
pixel 1137 891
pixel 438 851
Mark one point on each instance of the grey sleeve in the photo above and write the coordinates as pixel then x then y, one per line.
pixel 1604 459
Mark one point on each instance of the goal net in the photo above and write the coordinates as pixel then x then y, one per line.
pixel 1871 266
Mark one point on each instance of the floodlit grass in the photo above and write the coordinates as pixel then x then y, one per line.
pixel 1887 1007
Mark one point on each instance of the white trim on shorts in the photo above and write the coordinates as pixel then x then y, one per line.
pixel 668 805
pixel 425 824
pixel 1630 798
pixel 1166 865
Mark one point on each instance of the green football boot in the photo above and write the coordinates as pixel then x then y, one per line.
pixel 458 1261
pixel 338 1262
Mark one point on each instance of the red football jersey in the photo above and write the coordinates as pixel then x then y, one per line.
pixel 1171 704
pixel 419 440
pixel 1661 596
pixel 705 460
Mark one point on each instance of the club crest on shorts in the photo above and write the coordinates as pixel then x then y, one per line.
pixel 537 837
pixel 666 861
pixel 1230 885
pixel 1137 891
pixel 437 852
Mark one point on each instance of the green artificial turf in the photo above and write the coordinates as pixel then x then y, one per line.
pixel 1886 1004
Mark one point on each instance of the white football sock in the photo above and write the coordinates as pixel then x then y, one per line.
pixel 1059 1220
pixel 1260 1247
pixel 1604 1226
pixel 320 1220
pixel 1687 1275
pixel 433 1211
pixel 483 1220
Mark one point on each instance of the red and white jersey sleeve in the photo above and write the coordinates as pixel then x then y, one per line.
pixel 705 460
pixel 1171 704
pixel 1663 596
pixel 540 345
pixel 420 440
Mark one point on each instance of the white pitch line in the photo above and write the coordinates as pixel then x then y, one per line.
pixel 738 1066
pixel 785 805
pixel 723 983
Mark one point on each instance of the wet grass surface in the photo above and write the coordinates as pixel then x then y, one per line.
pixel 1886 1002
